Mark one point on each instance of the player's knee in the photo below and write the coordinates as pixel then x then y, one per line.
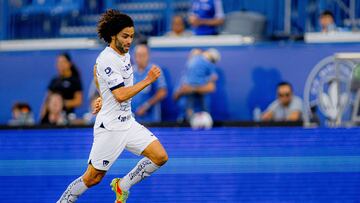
pixel 161 159
pixel 91 181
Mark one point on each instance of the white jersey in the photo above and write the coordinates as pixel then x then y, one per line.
pixel 113 71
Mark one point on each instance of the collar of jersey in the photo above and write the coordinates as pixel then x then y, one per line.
pixel 117 54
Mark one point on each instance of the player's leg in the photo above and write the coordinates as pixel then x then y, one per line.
pixel 155 157
pixel 144 143
pixel 106 148
pixel 91 177
pixel 156 153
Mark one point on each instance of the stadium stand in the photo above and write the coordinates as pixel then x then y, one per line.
pixel 77 18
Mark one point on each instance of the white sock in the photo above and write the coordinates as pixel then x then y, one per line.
pixel 73 191
pixel 144 168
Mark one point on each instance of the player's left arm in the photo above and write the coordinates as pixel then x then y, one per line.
pixel 123 93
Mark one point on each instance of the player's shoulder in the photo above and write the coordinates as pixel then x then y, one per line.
pixel 106 55
pixel 106 59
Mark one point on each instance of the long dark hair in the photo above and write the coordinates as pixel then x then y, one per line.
pixel 73 68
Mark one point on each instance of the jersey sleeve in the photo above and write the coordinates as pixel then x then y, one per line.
pixel 111 74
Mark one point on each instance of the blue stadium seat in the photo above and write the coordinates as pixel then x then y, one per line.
pixel 38 7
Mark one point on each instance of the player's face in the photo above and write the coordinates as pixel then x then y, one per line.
pixel 124 39
pixel 284 95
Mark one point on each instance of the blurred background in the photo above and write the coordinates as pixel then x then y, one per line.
pixel 261 96
pixel 262 43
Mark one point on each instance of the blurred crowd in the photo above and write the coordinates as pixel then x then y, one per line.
pixel 199 80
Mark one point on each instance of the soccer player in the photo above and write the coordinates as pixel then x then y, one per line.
pixel 115 128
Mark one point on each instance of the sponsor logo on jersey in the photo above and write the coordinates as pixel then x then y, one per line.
pixel 112 82
pixel 124 118
pixel 125 106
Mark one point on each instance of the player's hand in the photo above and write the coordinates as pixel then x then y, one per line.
pixel 153 74
pixel 97 106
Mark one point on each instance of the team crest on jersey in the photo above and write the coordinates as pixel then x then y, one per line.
pixel 105 163
pixel 108 71
pixel 327 88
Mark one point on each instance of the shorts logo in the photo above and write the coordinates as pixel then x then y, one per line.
pixel 105 163
pixel 108 71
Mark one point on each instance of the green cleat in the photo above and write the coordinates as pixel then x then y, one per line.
pixel 121 196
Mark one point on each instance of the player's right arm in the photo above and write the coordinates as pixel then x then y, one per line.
pixel 122 94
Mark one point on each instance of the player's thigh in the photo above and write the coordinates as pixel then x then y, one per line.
pixel 106 148
pixel 139 138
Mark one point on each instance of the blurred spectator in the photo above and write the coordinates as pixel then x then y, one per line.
pixel 67 83
pixel 327 23
pixel 54 113
pixel 287 107
pixel 146 104
pixel 16 4
pixel 206 16
pixel 21 115
pixel 178 28
pixel 198 80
